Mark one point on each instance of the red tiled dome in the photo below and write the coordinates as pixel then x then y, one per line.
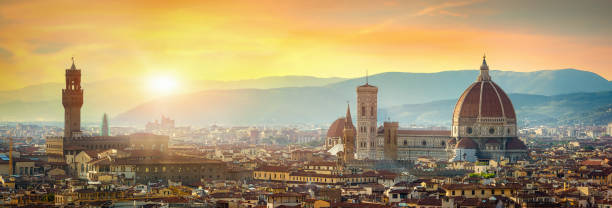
pixel 466 143
pixel 337 128
pixel 515 144
pixel 484 99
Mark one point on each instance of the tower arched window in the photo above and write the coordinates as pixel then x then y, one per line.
pixel 363 113
pixel 371 110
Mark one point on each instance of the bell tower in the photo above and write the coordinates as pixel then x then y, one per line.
pixel 72 99
pixel 366 121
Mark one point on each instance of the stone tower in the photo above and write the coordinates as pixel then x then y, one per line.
pixel 72 99
pixel 104 131
pixel 366 121
pixel 390 134
pixel 349 136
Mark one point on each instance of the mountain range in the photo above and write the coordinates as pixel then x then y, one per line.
pixel 411 98
pixel 567 109
pixel 43 102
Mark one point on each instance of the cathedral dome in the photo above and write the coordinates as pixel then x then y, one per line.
pixel 484 99
pixel 484 109
pixel 466 143
pixel 335 130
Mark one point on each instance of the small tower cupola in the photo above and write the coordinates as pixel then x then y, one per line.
pixel 73 67
pixel 484 70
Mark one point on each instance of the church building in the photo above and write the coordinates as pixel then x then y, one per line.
pixel 483 128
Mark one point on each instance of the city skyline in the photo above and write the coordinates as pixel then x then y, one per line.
pixel 172 43
pixel 306 104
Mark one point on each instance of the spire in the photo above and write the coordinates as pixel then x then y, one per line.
pixel 484 65
pixel 348 123
pixel 484 70
pixel 73 67
pixel 367 77
pixel 104 131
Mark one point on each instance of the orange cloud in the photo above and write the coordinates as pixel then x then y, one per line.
pixel 442 8
pixel 220 40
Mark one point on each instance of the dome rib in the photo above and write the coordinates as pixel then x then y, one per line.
pixel 506 102
pixel 491 105
pixel 470 103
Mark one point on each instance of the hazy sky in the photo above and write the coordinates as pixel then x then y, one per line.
pixel 229 40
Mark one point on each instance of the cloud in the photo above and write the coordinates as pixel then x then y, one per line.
pixel 49 48
pixel 5 54
pixel 442 9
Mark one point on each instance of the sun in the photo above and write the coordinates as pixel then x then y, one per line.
pixel 163 84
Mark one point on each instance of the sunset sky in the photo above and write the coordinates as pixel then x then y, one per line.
pixel 231 40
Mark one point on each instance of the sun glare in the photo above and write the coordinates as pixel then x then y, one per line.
pixel 163 84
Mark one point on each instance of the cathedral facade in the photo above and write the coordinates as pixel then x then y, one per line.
pixel 483 128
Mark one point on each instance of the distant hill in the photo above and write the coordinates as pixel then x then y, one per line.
pixel 43 102
pixel 319 105
pixel 576 108
pixel 280 100
pixel 397 88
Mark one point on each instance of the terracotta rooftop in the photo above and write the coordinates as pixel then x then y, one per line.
pixel 515 144
pixel 466 143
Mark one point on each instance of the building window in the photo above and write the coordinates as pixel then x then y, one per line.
pixel 473 192
pixel 424 143
pixel 491 130
pixel 482 192
pixel 462 192
pixel 469 130
pixel 363 113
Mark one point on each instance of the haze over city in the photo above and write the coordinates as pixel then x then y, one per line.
pixel 314 104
